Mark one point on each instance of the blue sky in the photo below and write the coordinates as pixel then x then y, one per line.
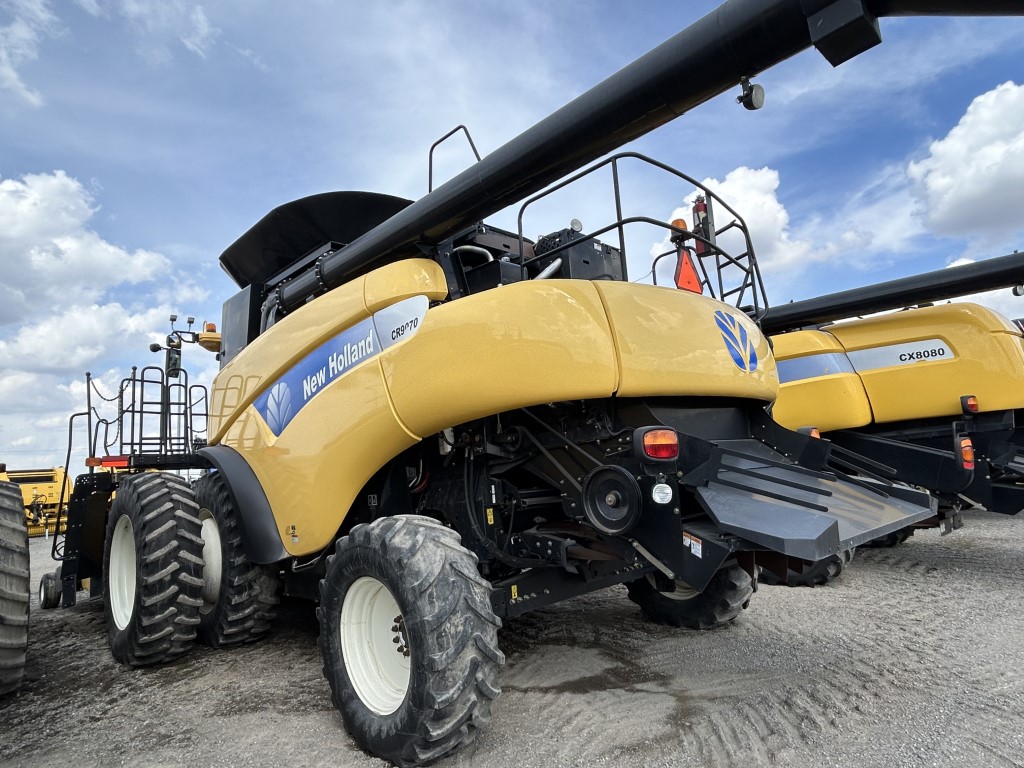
pixel 139 138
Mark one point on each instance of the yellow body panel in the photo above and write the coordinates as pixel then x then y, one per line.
pixel 519 345
pixel 313 471
pixel 988 362
pixel 661 339
pixel 522 344
pixel 913 364
pixel 834 398
pixel 300 332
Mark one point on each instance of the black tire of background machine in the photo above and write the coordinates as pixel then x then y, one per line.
pixel 248 594
pixel 449 628
pixel 15 591
pixel 820 573
pixel 893 539
pixel 49 589
pixel 724 598
pixel 164 614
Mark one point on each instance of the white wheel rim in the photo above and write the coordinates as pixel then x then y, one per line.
pixel 377 665
pixel 121 579
pixel 212 562
pixel 683 591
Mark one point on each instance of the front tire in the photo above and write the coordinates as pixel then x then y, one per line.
pixel 152 567
pixel 239 597
pixel 409 639
pixel 722 600
pixel 15 591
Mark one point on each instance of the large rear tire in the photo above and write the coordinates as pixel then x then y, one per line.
pixel 409 639
pixel 821 572
pixel 15 591
pixel 725 597
pixel 239 597
pixel 153 569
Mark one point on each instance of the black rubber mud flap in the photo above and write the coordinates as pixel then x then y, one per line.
pixel 758 495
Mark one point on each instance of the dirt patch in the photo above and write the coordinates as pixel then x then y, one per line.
pixel 912 658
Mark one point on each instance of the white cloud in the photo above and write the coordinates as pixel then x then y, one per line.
pixel 71 301
pixel 201 37
pixel 71 341
pixel 972 180
pixel 753 193
pixel 159 24
pixel 50 256
pixel 30 21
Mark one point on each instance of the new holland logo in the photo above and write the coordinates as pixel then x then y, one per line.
pixel 279 407
pixel 737 341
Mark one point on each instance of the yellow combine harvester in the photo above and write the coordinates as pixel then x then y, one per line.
pixel 934 391
pixel 42 492
pixel 429 425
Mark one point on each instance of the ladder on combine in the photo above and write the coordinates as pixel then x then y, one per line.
pixel 156 420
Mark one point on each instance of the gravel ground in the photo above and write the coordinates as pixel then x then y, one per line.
pixel 913 658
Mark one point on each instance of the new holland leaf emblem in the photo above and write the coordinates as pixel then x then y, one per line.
pixel 737 341
pixel 279 407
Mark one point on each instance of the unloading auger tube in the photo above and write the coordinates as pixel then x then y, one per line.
pixel 735 42
pixel 942 284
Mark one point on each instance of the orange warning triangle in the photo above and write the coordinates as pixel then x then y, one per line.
pixel 686 274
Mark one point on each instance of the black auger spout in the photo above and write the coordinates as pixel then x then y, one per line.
pixel 942 284
pixel 734 42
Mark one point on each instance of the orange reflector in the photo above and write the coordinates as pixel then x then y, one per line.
pixel 114 462
pixel 969 404
pixel 810 432
pixel 686 273
pixel 93 461
pixel 661 443
pixel 966 453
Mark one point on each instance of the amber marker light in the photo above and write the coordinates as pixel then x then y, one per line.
pixel 966 453
pixel 661 444
pixel 969 404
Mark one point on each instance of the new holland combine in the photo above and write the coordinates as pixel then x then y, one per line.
pixel 934 391
pixel 428 424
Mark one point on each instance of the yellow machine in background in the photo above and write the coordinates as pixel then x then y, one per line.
pixel 899 386
pixel 42 491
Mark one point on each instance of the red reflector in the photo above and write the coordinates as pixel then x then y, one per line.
pixel 114 462
pixel 966 453
pixel 661 444
pixel 687 278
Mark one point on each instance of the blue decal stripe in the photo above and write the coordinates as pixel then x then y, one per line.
pixel 813 366
pixel 282 402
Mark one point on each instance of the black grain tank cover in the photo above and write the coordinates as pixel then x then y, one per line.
pixel 292 230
